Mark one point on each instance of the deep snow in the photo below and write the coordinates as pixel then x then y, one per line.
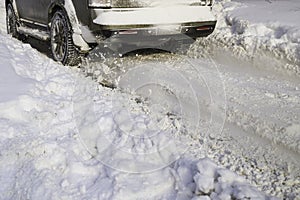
pixel 257 30
pixel 11 85
pixel 43 155
pixel 66 137
pixel 260 97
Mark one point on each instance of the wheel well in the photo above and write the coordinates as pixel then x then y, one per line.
pixel 53 9
pixel 72 20
pixel 7 2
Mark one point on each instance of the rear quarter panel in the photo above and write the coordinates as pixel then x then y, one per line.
pixel 82 11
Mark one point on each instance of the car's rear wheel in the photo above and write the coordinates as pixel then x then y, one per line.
pixel 62 45
pixel 11 21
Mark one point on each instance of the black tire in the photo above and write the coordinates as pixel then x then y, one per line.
pixel 61 41
pixel 11 21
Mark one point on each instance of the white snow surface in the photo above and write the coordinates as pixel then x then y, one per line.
pixel 260 72
pixel 256 29
pixel 265 35
pixel 11 85
pixel 65 137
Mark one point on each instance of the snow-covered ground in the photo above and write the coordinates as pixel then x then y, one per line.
pixel 260 97
pixel 180 127
pixel 257 30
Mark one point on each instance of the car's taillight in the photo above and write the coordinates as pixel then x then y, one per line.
pixel 100 3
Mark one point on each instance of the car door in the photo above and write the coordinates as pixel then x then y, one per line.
pixel 34 10
pixel 25 9
pixel 41 10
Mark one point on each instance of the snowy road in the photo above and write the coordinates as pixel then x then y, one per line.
pixel 241 113
pixel 245 115
pixel 242 103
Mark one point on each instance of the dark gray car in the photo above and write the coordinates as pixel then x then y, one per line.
pixel 75 26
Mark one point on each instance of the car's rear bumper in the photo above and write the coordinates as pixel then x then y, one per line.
pixel 118 18
pixel 152 26
pixel 153 34
pixel 193 30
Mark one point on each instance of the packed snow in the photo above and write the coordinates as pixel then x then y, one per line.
pixel 64 136
pixel 43 157
pixel 257 30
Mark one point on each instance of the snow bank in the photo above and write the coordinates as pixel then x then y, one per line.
pixel 47 126
pixel 43 157
pixel 62 136
pixel 254 29
pixel 11 85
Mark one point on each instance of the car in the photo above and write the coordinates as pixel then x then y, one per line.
pixel 75 27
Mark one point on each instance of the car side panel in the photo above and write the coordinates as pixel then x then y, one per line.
pixel 41 8
pixel 33 10
pixel 26 9
pixel 82 11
